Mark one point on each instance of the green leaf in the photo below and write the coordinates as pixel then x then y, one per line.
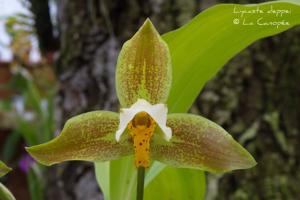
pixel 89 137
pixel 144 68
pixel 175 184
pixel 200 144
pixel 10 145
pixel 201 48
pixel 4 169
pixel 5 194
pixel 117 178
pixel 154 170
pixel 102 170
pixel 35 183
pixel 123 185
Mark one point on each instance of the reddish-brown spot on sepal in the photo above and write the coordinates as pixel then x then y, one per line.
pixel 89 137
pixel 144 68
pixel 201 144
pixel 4 169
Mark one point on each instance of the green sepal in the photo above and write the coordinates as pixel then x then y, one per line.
pixel 200 144
pixel 144 68
pixel 89 137
pixel 4 169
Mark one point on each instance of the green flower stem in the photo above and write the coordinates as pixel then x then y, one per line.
pixel 140 183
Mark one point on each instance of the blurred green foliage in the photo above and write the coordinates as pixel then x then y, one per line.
pixel 28 109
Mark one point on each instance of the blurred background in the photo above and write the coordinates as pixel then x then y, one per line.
pixel 57 59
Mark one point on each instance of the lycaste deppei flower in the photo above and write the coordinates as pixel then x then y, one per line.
pixel 143 127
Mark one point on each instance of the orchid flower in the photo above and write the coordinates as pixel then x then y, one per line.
pixel 143 127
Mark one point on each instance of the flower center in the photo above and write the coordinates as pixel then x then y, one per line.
pixel 141 129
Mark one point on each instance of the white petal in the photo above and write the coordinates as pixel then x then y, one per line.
pixel 158 112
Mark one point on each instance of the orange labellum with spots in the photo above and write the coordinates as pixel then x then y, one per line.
pixel 141 129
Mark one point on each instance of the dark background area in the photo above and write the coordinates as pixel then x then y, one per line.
pixel 255 97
